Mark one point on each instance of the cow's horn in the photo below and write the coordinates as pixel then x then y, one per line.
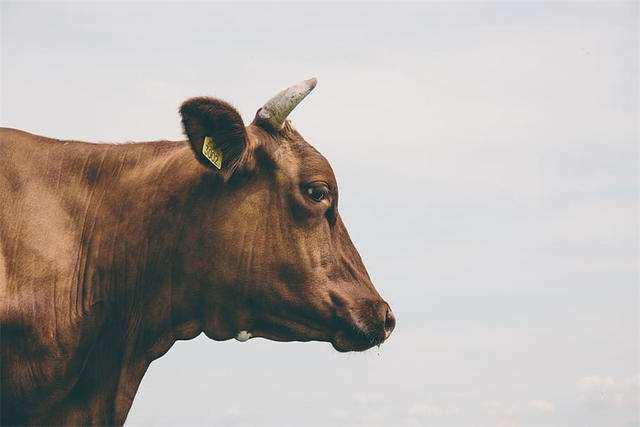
pixel 276 110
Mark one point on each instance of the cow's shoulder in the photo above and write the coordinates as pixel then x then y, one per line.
pixel 45 300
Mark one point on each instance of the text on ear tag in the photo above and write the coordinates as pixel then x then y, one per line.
pixel 211 152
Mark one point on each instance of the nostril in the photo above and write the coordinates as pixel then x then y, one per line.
pixel 389 323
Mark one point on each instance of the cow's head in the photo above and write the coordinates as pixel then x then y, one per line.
pixel 271 254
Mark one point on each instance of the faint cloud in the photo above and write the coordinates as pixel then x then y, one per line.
pixel 433 408
pixel 510 413
pixel 606 391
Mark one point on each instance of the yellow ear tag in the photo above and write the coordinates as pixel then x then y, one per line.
pixel 211 152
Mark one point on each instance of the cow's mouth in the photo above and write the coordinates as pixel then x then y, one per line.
pixel 355 339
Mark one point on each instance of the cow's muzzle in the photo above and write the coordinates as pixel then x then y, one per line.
pixel 365 327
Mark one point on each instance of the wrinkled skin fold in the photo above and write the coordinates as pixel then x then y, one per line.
pixel 110 253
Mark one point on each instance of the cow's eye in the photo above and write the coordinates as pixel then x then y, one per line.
pixel 318 192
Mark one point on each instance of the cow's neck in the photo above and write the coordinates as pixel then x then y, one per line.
pixel 130 267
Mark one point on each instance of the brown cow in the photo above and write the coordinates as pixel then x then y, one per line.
pixel 109 253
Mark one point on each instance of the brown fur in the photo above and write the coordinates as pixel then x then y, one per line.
pixel 110 253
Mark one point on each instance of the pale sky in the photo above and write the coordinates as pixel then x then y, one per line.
pixel 487 156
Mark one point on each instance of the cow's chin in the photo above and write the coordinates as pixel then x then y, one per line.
pixel 345 341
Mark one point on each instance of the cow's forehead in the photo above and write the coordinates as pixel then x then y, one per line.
pixel 293 153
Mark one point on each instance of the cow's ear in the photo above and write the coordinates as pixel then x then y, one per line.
pixel 216 132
